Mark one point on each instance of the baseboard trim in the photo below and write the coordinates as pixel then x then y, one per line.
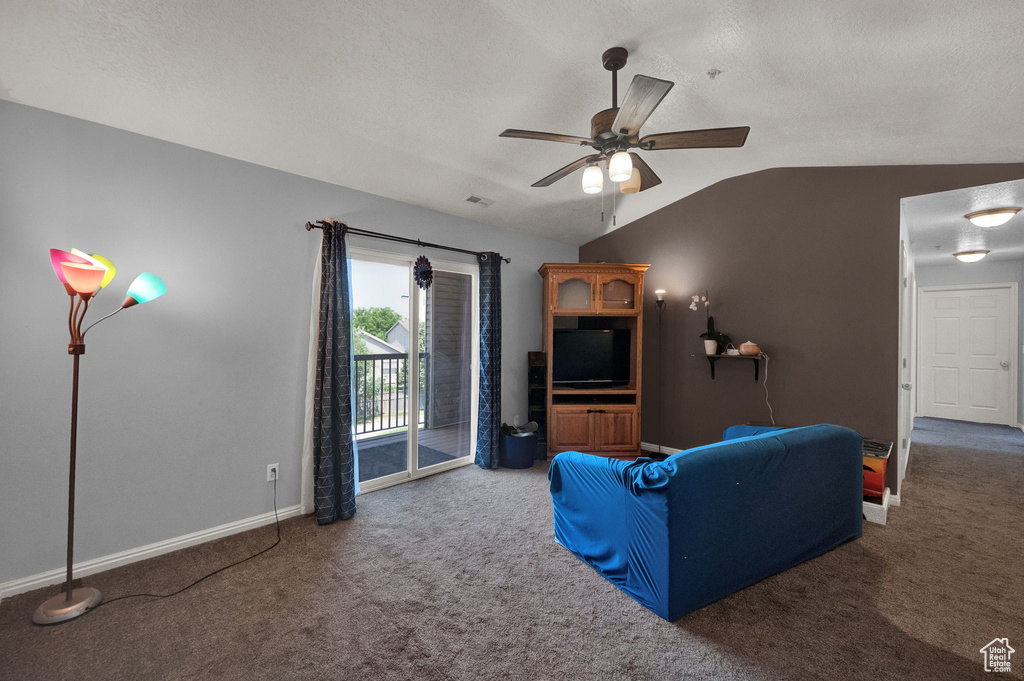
pixel 89 567
pixel 667 451
pixel 894 499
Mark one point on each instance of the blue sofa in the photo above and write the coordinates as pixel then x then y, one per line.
pixel 678 534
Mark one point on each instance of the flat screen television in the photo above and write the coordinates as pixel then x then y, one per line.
pixel 590 357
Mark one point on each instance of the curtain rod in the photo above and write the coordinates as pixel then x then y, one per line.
pixel 319 224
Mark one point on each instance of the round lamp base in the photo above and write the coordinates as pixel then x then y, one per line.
pixel 59 609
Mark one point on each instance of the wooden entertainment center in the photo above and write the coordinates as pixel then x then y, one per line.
pixel 596 419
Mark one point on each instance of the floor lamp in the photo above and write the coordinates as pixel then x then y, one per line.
pixel 83 276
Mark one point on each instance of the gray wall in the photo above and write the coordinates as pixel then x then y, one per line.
pixel 804 261
pixel 986 272
pixel 184 400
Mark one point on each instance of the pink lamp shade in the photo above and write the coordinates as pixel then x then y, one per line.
pixel 58 256
pixel 84 279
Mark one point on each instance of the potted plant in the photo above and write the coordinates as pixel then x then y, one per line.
pixel 714 340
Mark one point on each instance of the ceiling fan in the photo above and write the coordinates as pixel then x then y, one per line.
pixel 614 131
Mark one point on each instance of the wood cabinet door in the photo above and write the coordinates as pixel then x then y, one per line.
pixel 570 428
pixel 619 294
pixel 617 429
pixel 573 293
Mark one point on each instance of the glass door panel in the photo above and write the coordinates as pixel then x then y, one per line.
pixel 382 365
pixel 574 294
pixel 446 369
pixel 618 294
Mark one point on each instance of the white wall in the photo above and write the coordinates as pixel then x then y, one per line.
pixel 985 272
pixel 184 401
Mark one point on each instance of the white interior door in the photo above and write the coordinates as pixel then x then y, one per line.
pixel 968 367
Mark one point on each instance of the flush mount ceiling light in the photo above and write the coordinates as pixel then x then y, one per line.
pixel 970 256
pixel 993 217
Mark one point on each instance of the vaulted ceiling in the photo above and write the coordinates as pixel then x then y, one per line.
pixel 406 99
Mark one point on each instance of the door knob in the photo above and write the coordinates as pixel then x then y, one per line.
pixel 1004 364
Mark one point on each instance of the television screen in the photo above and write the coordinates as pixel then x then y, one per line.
pixel 593 356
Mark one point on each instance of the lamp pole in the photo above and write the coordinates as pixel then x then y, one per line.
pixel 74 602
pixel 83 276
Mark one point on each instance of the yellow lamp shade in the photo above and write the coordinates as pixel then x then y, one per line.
pixel 111 270
pixel 84 279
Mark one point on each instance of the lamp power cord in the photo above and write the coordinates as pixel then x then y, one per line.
pixel 277 528
pixel 771 412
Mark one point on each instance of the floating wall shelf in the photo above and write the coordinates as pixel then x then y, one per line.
pixel 714 358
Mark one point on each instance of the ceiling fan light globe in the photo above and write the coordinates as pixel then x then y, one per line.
pixel 620 165
pixel 632 185
pixel 593 179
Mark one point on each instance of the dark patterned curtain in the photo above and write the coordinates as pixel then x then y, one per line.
pixel 489 413
pixel 334 459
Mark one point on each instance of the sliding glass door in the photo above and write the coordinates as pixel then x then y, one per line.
pixel 415 373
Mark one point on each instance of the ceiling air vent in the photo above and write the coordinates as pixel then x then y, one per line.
pixel 479 200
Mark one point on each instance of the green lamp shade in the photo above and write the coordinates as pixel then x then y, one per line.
pixel 85 279
pixel 58 256
pixel 145 288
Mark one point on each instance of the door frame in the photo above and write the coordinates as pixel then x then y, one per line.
pixel 413 471
pixel 1014 339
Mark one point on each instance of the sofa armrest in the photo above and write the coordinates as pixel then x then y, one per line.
pixel 613 515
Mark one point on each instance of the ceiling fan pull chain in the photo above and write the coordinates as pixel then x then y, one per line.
pixel 602 206
pixel 613 207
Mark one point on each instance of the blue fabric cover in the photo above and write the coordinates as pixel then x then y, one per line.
pixel 678 534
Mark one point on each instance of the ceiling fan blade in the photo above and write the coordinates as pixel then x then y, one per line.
pixel 546 136
pixel 648 178
pixel 562 172
pixel 643 97
pixel 697 139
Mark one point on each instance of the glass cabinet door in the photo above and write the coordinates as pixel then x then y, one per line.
pixel 618 293
pixel 574 293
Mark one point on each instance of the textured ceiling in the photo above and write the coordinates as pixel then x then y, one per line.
pixel 406 99
pixel 938 229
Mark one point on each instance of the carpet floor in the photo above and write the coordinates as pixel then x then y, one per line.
pixel 457 576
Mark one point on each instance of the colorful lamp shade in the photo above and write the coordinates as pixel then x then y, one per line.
pixel 111 270
pixel 58 256
pixel 145 288
pixel 99 261
pixel 84 279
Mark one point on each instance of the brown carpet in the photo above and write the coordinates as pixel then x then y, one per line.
pixel 458 577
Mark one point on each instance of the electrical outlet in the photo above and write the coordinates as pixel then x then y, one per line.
pixel 273 472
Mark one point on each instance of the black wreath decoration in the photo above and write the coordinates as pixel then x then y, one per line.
pixel 423 272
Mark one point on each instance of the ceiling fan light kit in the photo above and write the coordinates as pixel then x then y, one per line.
pixel 620 167
pixel 593 179
pixel 992 217
pixel 615 131
pixel 970 256
pixel 632 185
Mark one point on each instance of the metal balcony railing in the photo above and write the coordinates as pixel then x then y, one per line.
pixel 382 391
